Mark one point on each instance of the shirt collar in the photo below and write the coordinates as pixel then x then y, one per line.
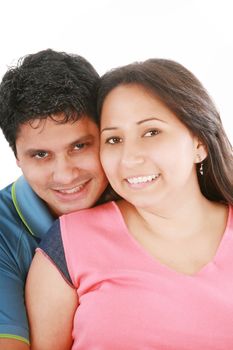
pixel 32 210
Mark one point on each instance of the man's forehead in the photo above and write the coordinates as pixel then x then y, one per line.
pixel 52 133
pixel 41 123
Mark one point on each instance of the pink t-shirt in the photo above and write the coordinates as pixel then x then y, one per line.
pixel 130 301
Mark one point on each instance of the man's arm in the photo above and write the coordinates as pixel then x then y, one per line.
pixel 51 304
pixel 13 319
pixel 13 344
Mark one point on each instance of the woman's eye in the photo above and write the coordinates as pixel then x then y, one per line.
pixel 113 140
pixel 41 154
pixel 150 133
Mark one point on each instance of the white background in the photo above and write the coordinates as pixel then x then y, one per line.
pixel 109 33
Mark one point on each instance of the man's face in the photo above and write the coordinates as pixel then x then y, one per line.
pixel 61 162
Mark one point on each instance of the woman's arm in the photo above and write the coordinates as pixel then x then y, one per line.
pixel 51 303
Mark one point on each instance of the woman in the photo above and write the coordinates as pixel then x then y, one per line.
pixel 154 269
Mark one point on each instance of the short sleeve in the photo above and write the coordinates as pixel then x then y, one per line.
pixel 52 246
pixel 13 318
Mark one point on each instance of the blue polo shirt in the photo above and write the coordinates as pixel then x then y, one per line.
pixel 24 220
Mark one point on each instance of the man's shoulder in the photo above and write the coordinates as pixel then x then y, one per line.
pixel 7 208
pixel 13 232
pixel 6 191
pixel 20 205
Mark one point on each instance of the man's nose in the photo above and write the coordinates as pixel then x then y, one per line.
pixel 64 171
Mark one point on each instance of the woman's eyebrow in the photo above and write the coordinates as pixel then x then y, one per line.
pixel 149 119
pixel 138 123
pixel 110 128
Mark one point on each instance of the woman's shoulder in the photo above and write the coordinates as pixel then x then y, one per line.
pixel 90 215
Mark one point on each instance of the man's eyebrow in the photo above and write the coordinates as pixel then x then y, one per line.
pixel 138 123
pixel 81 139
pixel 32 151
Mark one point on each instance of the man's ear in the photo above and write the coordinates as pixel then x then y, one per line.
pixel 200 150
pixel 17 162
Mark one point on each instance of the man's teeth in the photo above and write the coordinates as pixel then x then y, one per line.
pixel 142 179
pixel 72 190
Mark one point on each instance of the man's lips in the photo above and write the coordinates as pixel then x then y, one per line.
pixel 72 189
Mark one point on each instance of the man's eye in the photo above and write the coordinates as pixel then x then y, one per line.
pixel 41 154
pixel 151 133
pixel 79 146
pixel 113 140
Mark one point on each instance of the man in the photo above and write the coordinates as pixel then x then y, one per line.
pixel 47 114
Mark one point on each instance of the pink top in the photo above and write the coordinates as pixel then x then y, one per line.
pixel 128 300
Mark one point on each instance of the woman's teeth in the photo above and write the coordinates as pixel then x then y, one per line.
pixel 142 179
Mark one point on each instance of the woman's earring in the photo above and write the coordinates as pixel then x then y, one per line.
pixel 201 169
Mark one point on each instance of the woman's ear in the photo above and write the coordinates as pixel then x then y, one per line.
pixel 200 150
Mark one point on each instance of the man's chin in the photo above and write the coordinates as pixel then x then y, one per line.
pixel 70 208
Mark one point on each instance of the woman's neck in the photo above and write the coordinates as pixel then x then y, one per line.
pixel 185 239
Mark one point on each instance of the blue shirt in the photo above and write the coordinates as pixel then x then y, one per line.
pixel 24 220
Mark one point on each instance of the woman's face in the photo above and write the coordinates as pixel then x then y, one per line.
pixel 147 154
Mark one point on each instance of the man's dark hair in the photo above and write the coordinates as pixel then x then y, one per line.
pixel 44 84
